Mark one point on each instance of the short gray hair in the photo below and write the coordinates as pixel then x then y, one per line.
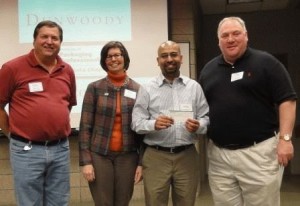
pixel 235 18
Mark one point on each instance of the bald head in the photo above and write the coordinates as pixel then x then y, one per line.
pixel 168 44
pixel 169 59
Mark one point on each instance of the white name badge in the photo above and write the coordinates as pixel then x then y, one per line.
pixel 186 107
pixel 35 87
pixel 130 94
pixel 237 76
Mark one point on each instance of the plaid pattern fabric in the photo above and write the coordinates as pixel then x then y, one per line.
pixel 97 119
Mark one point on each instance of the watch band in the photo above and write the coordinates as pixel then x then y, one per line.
pixel 285 137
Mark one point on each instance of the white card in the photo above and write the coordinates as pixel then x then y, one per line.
pixel 186 107
pixel 35 87
pixel 181 116
pixel 236 76
pixel 130 94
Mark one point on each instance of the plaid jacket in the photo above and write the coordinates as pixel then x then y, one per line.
pixel 97 119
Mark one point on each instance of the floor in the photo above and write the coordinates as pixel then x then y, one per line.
pixel 290 194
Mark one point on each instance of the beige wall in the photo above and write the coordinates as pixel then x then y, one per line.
pixel 181 21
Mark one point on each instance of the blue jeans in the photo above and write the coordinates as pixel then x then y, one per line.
pixel 41 174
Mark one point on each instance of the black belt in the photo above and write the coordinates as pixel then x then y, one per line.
pixel 171 149
pixel 239 146
pixel 43 143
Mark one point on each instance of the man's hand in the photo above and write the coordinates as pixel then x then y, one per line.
pixel 163 122
pixel 138 174
pixel 192 125
pixel 285 152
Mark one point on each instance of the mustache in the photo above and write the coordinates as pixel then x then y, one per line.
pixel 171 63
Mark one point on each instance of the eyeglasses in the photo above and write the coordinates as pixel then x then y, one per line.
pixel 116 56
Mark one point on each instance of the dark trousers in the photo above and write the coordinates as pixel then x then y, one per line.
pixel 114 181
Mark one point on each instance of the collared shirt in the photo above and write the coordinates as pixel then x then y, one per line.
pixel 39 101
pixel 244 97
pixel 159 97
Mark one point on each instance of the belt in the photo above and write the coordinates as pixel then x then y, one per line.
pixel 43 143
pixel 239 146
pixel 171 150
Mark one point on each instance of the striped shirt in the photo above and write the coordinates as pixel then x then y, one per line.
pixel 159 97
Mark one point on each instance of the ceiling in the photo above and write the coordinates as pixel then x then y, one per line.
pixel 222 6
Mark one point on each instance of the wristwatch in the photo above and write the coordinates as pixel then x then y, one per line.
pixel 285 137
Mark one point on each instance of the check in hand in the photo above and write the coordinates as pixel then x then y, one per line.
pixel 163 122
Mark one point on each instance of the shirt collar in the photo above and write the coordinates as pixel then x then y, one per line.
pixel 162 80
pixel 33 62
pixel 246 54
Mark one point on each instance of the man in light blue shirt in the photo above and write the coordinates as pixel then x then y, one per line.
pixel 170 110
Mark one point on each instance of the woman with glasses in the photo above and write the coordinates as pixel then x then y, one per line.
pixel 110 152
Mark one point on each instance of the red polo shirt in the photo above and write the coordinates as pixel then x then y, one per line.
pixel 39 102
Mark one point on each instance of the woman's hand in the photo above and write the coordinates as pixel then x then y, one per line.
pixel 88 173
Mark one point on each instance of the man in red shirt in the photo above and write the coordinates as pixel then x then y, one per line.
pixel 40 90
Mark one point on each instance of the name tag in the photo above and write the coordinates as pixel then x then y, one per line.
pixel 130 94
pixel 186 107
pixel 35 87
pixel 237 76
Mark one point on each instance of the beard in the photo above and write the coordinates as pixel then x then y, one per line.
pixel 171 70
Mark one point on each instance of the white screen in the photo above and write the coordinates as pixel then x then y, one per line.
pixel 87 25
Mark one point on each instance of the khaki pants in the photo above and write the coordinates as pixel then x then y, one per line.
pixel 162 171
pixel 249 177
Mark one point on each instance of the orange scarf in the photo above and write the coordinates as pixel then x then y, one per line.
pixel 116 140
